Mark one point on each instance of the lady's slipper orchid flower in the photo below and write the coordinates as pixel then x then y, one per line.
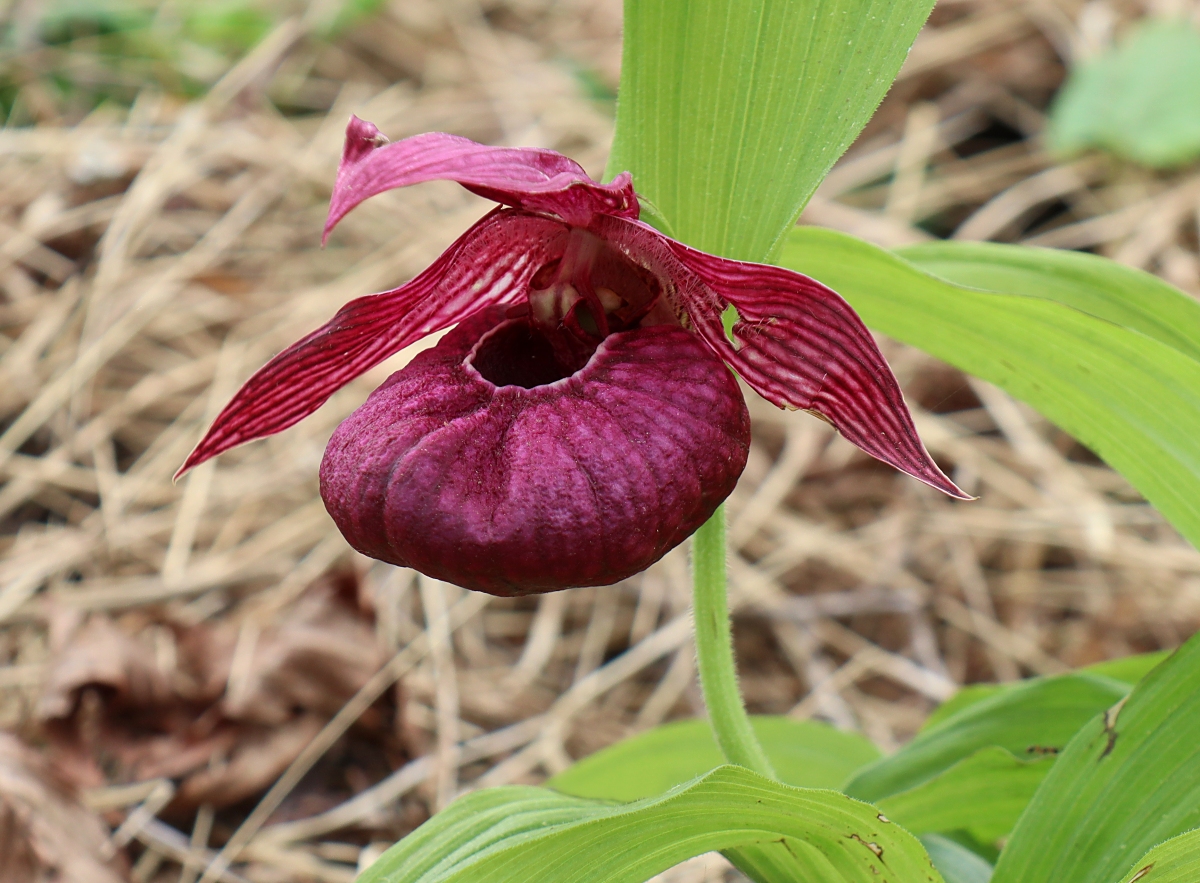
pixel 580 421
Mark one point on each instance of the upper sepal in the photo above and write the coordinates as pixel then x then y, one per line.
pixel 523 177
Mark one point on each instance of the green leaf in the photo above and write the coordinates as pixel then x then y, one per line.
pixel 804 753
pixel 966 696
pixel 1128 396
pixel 1128 670
pixel 526 835
pixel 730 114
pixel 1034 719
pixel 1129 780
pixel 956 863
pixel 1176 861
pixel 1140 101
pixel 984 794
pixel 1095 285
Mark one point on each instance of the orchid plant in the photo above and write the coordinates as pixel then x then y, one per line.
pixel 582 418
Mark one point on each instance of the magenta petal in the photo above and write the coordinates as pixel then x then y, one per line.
pixel 512 490
pixel 523 177
pixel 491 263
pixel 797 343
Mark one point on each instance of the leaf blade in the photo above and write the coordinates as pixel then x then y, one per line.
pixel 1128 780
pixel 1174 861
pixel 495 836
pixel 983 793
pixel 1132 399
pixel 730 114
pixel 806 754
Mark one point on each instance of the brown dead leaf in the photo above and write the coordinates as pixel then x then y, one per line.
pixel 258 758
pixel 45 834
pixel 221 709
pixel 314 659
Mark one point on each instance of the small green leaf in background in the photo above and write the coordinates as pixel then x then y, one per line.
pixel 730 114
pixel 1176 861
pixel 1130 396
pixel 1129 780
pixel 533 835
pixel 1140 101
pixel 807 754
pixel 957 863
pixel 231 26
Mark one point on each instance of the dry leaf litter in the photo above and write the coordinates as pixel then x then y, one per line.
pixel 202 682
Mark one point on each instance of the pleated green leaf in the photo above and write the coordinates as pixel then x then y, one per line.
pixel 534 835
pixel 1176 861
pixel 1034 719
pixel 984 794
pixel 1132 395
pixel 1128 670
pixel 956 863
pixel 1094 285
pixel 806 754
pixel 1128 781
pixel 730 114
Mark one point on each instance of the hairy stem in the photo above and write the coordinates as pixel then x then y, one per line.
pixel 714 650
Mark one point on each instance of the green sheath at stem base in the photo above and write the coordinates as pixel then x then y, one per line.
pixel 714 651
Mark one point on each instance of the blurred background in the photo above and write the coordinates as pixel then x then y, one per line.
pixel 203 678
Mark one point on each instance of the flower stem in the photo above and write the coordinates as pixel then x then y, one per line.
pixel 714 650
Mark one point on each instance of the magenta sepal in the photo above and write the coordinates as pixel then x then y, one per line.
pixel 491 263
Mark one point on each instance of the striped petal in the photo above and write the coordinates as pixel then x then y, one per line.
pixel 796 342
pixel 490 264
pixel 522 177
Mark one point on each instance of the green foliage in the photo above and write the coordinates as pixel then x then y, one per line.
pixel 803 753
pixel 730 114
pixel 1029 720
pixel 1128 670
pixel 528 835
pixel 983 793
pixel 1175 861
pixel 1096 286
pixel 1131 394
pixel 957 863
pixel 1141 101
pixel 99 51
pixel 806 754
pixel 1127 781
pixel 232 26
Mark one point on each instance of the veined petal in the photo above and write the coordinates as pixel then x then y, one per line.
pixel 490 264
pixel 522 177
pixel 796 342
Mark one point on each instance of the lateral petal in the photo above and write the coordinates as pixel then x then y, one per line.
pixel 490 264
pixel 523 177
pixel 796 342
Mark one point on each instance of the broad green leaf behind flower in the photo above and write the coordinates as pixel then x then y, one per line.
pixel 730 114
pixel 1130 392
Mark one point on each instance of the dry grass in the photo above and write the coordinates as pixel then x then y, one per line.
pixel 150 260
